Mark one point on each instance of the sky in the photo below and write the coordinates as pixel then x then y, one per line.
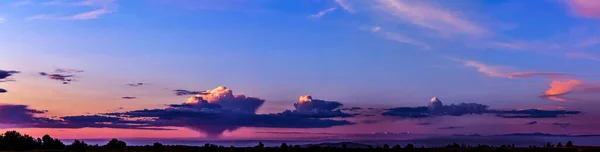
pixel 298 69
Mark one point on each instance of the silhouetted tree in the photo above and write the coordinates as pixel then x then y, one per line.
pixel 549 145
pixel 559 144
pixel 260 145
pixel 51 143
pixel 13 140
pixel 284 146
pixel 410 146
pixel 370 147
pixel 115 144
pixel 157 146
pixel 569 144
pixel 397 146
pixel 78 145
pixel 386 146
pixel 344 146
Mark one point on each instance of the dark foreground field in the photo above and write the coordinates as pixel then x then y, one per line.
pixel 15 141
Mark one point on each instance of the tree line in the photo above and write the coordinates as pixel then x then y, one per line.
pixel 15 141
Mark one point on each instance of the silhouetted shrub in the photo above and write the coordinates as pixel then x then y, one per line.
pixel 115 144
pixel 78 145
pixel 283 146
pixel 569 144
pixel 410 146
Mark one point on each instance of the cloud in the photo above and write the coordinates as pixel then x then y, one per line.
pixel 101 7
pixel 136 84
pixel 22 3
pixel 60 77
pixel 128 98
pixel 375 29
pixel 470 109
pixel 60 70
pixel 322 13
pixel 19 115
pixel 532 113
pixel 533 74
pixel 586 8
pixel 6 74
pixel 500 71
pixel 402 39
pixel 345 5
pixel 91 14
pixel 559 88
pixel 3 90
pixel 564 125
pixel 2 20
pixel 428 17
pixel 187 92
pixel 449 128
pixel 582 56
pixel 219 110
pixel 495 71
pixel 314 108
pixel 224 96
pixel 531 123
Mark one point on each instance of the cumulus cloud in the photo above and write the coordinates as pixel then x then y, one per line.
pixel 314 108
pixel 224 96
pixel 219 110
pixel 472 108
pixel 322 13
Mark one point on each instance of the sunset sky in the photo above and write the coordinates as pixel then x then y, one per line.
pixel 110 68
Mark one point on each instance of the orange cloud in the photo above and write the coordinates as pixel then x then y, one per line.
pixel 562 87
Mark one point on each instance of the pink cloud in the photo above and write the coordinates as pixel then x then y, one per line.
pixel 582 56
pixel 500 71
pixel 586 8
pixel 559 88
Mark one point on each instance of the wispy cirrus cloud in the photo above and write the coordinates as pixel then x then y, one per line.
pixel 100 7
pixel 346 6
pixel 2 20
pixel 429 17
pixel 398 37
pixel 582 56
pixel 322 13
pixel 502 71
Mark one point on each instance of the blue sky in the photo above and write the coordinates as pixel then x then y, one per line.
pixel 376 53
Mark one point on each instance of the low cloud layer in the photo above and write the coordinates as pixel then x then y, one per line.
pixel 187 92
pixel 531 123
pixel 3 90
pixel 6 74
pixel 135 84
pixel 315 108
pixel 436 108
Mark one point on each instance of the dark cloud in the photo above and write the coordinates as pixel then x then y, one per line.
pixel 438 109
pixel 532 113
pixel 3 90
pixel 450 127
pixel 352 109
pixel 531 123
pixel 6 74
pixel 564 125
pixel 314 108
pixel 187 92
pixel 59 77
pixel 67 71
pixel 425 123
pixel 135 84
pixel 219 110
pixel 19 115
pixel 128 98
